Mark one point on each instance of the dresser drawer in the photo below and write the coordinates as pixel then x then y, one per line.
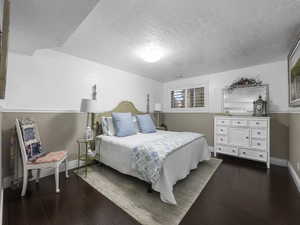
pixel 221 139
pixel 258 123
pixel 258 133
pixel 239 123
pixel 227 150
pixel 222 122
pixel 258 144
pixel 252 154
pixel 221 130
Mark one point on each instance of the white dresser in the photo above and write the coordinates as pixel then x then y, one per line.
pixel 244 137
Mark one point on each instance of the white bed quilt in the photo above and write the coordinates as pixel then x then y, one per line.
pixel 117 152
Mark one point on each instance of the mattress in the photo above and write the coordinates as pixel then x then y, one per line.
pixel 115 152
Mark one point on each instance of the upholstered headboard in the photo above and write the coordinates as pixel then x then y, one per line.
pixel 125 106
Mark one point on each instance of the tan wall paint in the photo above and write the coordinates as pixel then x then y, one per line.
pixel 195 122
pixel 57 130
pixel 294 155
pixel 60 131
pixel 203 123
pixel 279 135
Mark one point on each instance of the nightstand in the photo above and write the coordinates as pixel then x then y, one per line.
pixel 86 156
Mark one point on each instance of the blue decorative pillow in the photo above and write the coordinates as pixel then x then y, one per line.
pixel 146 123
pixel 31 139
pixel 124 125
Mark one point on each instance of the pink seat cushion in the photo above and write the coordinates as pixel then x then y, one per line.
pixel 50 157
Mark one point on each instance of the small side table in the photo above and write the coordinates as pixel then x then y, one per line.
pixel 85 156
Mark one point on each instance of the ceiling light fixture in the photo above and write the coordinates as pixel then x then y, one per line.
pixel 151 52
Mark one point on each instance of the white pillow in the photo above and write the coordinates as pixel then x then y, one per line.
pixel 135 122
pixel 108 126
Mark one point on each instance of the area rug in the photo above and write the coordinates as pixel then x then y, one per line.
pixel 131 195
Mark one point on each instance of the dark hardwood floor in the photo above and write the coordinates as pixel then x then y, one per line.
pixel 240 193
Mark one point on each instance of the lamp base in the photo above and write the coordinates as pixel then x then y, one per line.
pixel 90 152
pixel 88 133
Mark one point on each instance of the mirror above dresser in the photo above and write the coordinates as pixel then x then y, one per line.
pixel 240 100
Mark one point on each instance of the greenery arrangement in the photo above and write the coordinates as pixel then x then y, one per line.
pixel 245 82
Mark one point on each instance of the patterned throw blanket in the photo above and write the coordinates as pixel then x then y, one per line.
pixel 148 158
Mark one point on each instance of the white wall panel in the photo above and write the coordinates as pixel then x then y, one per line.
pixel 274 74
pixel 54 81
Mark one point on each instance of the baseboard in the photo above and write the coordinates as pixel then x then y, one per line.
pixel 294 175
pixel 279 162
pixel 44 172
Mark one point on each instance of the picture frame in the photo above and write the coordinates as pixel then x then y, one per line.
pixel 4 30
pixel 294 75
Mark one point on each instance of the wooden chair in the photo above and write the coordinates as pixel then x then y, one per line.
pixel 49 160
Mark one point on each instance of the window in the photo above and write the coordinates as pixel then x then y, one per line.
pixel 195 97
pixel 178 98
pixel 188 98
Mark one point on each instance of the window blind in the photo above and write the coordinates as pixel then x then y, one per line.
pixel 188 98
pixel 178 98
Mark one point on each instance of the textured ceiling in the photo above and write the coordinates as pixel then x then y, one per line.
pixel 38 24
pixel 199 36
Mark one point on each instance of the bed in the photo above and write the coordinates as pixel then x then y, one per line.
pixel 116 152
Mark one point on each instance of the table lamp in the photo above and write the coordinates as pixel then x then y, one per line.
pixel 157 109
pixel 89 106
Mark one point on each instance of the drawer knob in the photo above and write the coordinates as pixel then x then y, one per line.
pixel 221 129
pixel 247 137
pixel 233 151
pixel 257 123
pixel 258 133
pixel 221 139
pixel 260 155
pixel 238 122
pixel 258 144
pixel 222 121
pixel 244 153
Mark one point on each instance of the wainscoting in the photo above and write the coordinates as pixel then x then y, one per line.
pixel 204 123
pixel 58 131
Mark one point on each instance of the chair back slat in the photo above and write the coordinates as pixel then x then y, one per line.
pixel 21 142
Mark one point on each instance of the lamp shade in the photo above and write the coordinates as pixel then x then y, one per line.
pixel 157 107
pixel 89 105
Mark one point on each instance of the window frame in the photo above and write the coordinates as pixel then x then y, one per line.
pixel 205 108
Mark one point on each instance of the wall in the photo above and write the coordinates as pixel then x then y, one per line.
pixel 58 131
pixel 55 81
pixel 294 154
pixel 49 86
pixel 203 123
pixel 274 74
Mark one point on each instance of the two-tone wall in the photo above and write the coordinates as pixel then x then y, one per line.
pixel 204 123
pixel 294 140
pixel 285 121
pixel 48 87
